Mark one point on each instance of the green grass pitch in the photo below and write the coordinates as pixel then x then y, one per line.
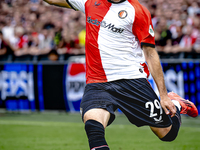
pixel 62 131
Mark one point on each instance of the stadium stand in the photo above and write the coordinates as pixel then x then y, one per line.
pixel 32 30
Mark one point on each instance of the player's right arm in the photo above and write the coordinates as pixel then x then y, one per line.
pixel 143 29
pixel 154 65
pixel 60 3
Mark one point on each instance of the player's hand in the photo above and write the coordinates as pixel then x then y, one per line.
pixel 168 106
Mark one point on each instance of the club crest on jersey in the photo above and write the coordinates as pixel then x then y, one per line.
pixel 122 14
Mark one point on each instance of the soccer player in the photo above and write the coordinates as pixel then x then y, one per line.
pixel 119 40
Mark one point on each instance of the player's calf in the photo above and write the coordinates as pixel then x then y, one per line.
pixel 95 133
pixel 176 123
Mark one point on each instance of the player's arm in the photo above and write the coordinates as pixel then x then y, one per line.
pixel 61 3
pixel 155 68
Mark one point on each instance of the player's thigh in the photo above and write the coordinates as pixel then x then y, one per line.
pixel 98 114
pixel 161 132
pixel 138 101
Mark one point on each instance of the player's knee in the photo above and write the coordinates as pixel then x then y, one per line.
pixel 168 138
pixel 171 135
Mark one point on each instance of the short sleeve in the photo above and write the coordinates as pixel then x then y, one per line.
pixel 77 4
pixel 143 28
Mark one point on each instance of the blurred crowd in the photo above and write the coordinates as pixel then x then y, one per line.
pixel 177 27
pixel 35 30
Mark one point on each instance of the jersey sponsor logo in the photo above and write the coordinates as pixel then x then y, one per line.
pixel 104 24
pixel 122 14
pixel 151 31
pixel 93 21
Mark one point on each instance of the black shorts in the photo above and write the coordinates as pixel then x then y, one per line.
pixel 135 98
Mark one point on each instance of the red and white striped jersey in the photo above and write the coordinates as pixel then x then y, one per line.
pixel 115 33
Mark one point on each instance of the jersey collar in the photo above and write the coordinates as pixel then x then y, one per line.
pixel 116 2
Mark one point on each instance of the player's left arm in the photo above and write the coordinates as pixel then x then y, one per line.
pixel 60 3
pixel 155 69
